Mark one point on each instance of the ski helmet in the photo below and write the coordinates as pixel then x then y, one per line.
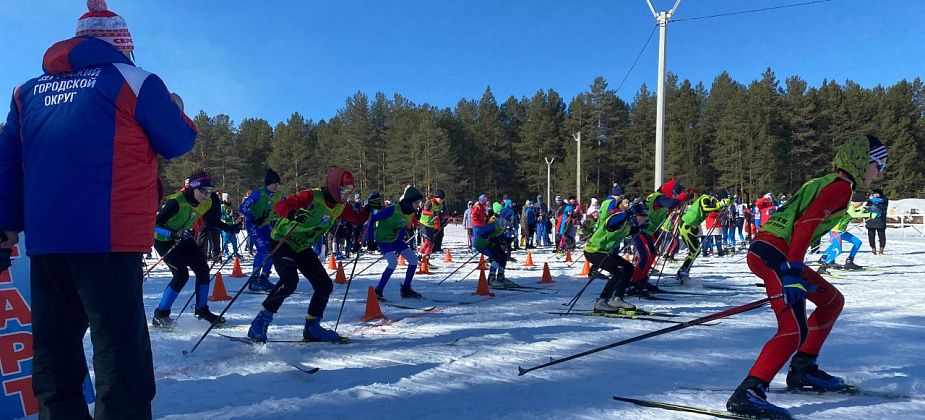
pixel 721 194
pixel 337 181
pixel 483 198
pixel 439 194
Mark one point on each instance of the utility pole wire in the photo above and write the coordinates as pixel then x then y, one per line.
pixel 742 12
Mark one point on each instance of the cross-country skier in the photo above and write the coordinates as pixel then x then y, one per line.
pixel 776 256
pixel 303 219
pixel 840 233
pixel 258 215
pixel 689 230
pixel 491 241
pixel 173 239
pixel 431 214
pixel 388 227
pixel 603 252
pixel 669 197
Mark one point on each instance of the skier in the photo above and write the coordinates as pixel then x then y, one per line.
pixel 258 214
pixel 776 256
pixel 301 220
pixel 389 227
pixel 99 139
pixel 603 252
pixel 690 226
pixel 611 204
pixel 840 233
pixel 430 222
pixel 490 240
pixel 173 240
pixel 669 197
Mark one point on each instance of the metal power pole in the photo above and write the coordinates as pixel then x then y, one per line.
pixel 548 179
pixel 662 18
pixel 577 138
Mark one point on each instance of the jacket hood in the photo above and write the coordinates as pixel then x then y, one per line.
pixel 79 53
pixel 667 188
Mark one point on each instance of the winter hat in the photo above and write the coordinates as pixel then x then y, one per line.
pixel 200 179
pixel 271 177
pixel 558 198
pixel 100 23
pixel 721 194
pixel 439 194
pixel 496 207
pixel 617 190
pixel 483 198
pixel 336 179
pixel 856 153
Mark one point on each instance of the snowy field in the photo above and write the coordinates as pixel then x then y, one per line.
pixel 460 360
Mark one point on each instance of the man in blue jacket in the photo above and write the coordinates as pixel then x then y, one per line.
pixel 95 123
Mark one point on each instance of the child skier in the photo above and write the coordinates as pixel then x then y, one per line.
pixel 173 239
pixel 603 252
pixel 669 197
pixel 690 226
pixel 490 241
pixel 840 233
pixel 258 213
pixel 303 219
pixel 776 256
pixel 388 227
pixel 430 222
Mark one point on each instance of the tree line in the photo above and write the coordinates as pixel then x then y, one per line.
pixel 764 136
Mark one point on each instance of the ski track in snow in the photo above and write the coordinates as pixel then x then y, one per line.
pixel 461 360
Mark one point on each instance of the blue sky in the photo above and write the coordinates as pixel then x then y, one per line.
pixel 268 59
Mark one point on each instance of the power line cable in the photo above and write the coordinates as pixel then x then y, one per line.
pixel 646 45
pixel 742 12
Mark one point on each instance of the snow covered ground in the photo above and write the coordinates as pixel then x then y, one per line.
pixel 460 360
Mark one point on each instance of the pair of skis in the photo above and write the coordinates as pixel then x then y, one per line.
pixel 311 370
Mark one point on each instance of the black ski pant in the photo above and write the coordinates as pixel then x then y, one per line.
pixel 438 237
pixel 288 265
pixel 71 292
pixel 184 257
pixel 621 271
pixel 873 233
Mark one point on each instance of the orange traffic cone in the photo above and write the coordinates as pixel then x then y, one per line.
pixel 401 261
pixel 340 278
pixel 332 263
pixel 568 256
pixel 585 270
pixel 424 268
pixel 236 270
pixel 218 290
pixel 529 261
pixel 447 258
pixel 373 311
pixel 547 277
pixel 482 288
pixel 481 261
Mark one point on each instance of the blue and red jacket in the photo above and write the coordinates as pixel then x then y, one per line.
pixel 91 127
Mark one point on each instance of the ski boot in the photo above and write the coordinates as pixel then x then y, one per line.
pixel 750 399
pixel 602 305
pixel 505 282
pixel 823 267
pixel 804 374
pixel 639 289
pixel 494 281
pixel 259 326
pixel 206 314
pixel 315 332
pixel 683 276
pixel 266 283
pixel 409 293
pixel 850 265
pixel 379 295
pixel 256 285
pixel 162 319
pixel 622 305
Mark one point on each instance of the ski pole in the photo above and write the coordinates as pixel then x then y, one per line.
pixel 457 269
pixel 718 315
pixel 695 254
pixel 148 271
pixel 350 280
pixel 468 274
pixel 591 278
pixel 241 290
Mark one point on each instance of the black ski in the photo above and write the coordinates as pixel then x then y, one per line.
pixel 298 366
pixel 847 390
pixel 342 340
pixel 684 408
pixel 400 306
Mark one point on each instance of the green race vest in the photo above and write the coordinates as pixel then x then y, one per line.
pixel 781 222
pixel 656 217
pixel 304 235
pixel 186 215
pixel 387 229
pixel 602 216
pixel 481 242
pixel 263 207
pixel 701 208
pixel 604 240
pixel 852 213
pixel 431 220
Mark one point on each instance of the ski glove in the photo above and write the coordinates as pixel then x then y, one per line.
pixel 184 235
pixel 300 215
pixel 374 201
pixel 795 287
